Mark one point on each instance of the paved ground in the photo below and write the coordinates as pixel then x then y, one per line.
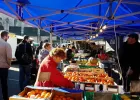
pixel 13 86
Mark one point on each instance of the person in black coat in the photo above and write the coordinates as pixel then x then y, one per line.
pixel 129 57
pixel 24 56
pixel 39 48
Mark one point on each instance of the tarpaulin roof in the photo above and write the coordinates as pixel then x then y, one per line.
pixel 77 19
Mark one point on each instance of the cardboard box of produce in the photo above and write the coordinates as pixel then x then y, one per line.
pixel 66 96
pixel 34 93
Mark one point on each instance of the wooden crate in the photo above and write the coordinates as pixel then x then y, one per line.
pixel 74 96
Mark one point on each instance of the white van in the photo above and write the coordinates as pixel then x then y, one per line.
pixel 14 40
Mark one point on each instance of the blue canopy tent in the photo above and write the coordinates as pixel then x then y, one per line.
pixel 77 19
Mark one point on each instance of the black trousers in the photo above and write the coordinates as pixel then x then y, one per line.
pixel 3 79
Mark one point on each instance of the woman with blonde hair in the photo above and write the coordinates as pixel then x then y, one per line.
pixel 46 48
pixel 48 67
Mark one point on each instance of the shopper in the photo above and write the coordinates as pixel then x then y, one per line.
pixel 70 53
pixel 45 51
pixel 53 78
pixel 39 48
pixel 94 49
pixel 24 56
pixel 5 62
pixel 129 59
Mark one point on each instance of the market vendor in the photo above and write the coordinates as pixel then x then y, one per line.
pixel 102 55
pixel 92 62
pixel 73 64
pixel 48 75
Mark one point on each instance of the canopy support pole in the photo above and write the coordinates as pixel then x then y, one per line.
pixel 62 29
pixel 38 35
pixel 51 38
pixel 131 2
pixel 22 29
pixel 116 9
pixel 31 16
pixel 128 22
pixel 65 23
pixel 9 6
pixel 6 26
pixel 127 15
pixel 51 34
pixel 41 16
pixel 60 41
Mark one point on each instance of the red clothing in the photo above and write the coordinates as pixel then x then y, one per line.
pixel 102 56
pixel 56 78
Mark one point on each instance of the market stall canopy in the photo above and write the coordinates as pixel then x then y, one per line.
pixel 77 19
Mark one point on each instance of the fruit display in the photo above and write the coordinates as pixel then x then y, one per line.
pixel 59 97
pixel 89 77
pixel 92 62
pixel 82 62
pixel 36 94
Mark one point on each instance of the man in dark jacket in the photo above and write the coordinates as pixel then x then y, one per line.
pixel 69 53
pixel 130 60
pixel 24 56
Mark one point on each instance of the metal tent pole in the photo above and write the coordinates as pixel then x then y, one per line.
pixel 22 28
pixel 51 34
pixel 51 38
pixel 38 35
pixel 6 26
pixel 60 41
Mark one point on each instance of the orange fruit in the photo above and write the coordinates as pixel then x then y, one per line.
pixel 44 91
pixel 31 93
pixel 47 95
pixel 68 98
pixel 32 96
pixel 43 94
pixel 64 98
pixel 37 96
pixel 61 96
pixel 40 91
pixel 56 96
pixel 36 91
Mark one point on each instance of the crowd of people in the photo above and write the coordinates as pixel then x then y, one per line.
pixel 49 59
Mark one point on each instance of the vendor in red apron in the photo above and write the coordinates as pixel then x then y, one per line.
pixel 48 75
pixel 102 55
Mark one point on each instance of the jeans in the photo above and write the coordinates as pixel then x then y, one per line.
pixel 24 76
pixel 3 79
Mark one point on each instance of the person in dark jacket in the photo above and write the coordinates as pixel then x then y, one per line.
pixel 24 56
pixel 129 60
pixel 69 53
pixel 39 48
